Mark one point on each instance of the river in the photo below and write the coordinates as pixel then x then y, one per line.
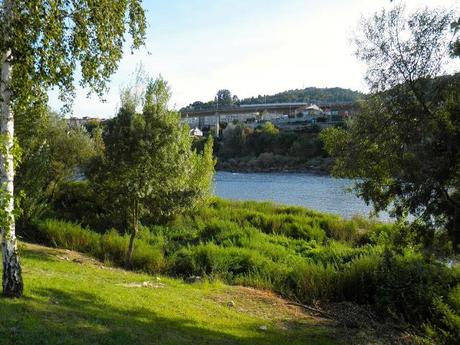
pixel 318 192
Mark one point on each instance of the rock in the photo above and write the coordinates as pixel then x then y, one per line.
pixel 146 284
pixel 193 279
pixel 263 328
pixel 231 304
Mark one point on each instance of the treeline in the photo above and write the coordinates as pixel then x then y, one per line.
pixel 307 95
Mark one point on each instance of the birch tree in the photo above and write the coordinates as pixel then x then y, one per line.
pixel 42 43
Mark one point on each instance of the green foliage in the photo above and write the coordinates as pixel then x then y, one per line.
pixel 403 145
pixel 445 326
pixel 148 160
pixel 49 41
pixel 76 201
pixel 53 155
pixel 109 247
pixel 148 170
pixel 266 148
pixel 304 255
pixel 224 98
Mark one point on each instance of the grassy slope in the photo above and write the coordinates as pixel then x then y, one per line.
pixel 73 300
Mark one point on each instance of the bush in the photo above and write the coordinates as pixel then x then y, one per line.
pixel 409 284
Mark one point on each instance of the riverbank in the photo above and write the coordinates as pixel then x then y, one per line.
pixel 268 163
pixel 308 257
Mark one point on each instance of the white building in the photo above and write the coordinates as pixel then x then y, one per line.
pixel 196 132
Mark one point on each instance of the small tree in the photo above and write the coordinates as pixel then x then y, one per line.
pixel 149 170
pixel 224 98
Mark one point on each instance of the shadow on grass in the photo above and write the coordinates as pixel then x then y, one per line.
pixel 57 317
pixel 48 256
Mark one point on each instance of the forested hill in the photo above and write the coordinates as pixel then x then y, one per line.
pixel 307 95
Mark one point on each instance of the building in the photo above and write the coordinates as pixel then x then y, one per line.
pixel 309 113
pixel 196 132
pixel 82 121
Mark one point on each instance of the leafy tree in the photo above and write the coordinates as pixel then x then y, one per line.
pixel 403 147
pixel 149 170
pixel 224 98
pixel 51 157
pixel 455 45
pixel 41 44
pixel 269 128
pixel 233 142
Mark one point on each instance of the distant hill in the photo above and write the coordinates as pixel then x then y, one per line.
pixel 307 95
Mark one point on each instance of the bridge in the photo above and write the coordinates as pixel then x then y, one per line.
pixel 280 108
pixel 207 118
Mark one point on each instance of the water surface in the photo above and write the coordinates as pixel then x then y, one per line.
pixel 318 192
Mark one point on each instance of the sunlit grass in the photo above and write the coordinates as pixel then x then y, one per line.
pixel 81 302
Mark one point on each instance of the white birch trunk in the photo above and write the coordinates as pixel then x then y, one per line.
pixel 12 278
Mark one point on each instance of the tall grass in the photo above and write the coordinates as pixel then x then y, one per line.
pixel 301 254
pixel 110 247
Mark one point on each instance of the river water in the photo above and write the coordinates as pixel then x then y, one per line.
pixel 318 192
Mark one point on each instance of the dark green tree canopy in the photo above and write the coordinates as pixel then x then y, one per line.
pixel 224 98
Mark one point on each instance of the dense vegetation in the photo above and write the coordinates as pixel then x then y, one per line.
pixel 302 254
pixel 404 144
pixel 148 168
pixel 308 95
pixel 265 148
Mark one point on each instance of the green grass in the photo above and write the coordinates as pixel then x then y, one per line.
pixel 79 302
pixel 303 255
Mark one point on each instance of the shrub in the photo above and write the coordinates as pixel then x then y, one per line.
pixel 408 285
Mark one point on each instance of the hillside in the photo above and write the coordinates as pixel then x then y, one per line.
pixel 306 95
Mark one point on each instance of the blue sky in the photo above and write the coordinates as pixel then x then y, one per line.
pixel 250 47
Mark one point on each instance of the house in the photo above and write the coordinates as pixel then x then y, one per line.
pixel 196 132
pixel 309 112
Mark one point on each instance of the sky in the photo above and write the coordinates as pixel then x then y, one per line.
pixel 250 47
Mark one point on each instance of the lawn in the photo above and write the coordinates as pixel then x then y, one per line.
pixel 72 299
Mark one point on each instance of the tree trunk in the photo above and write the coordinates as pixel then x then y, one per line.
pixel 12 279
pixel 129 258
